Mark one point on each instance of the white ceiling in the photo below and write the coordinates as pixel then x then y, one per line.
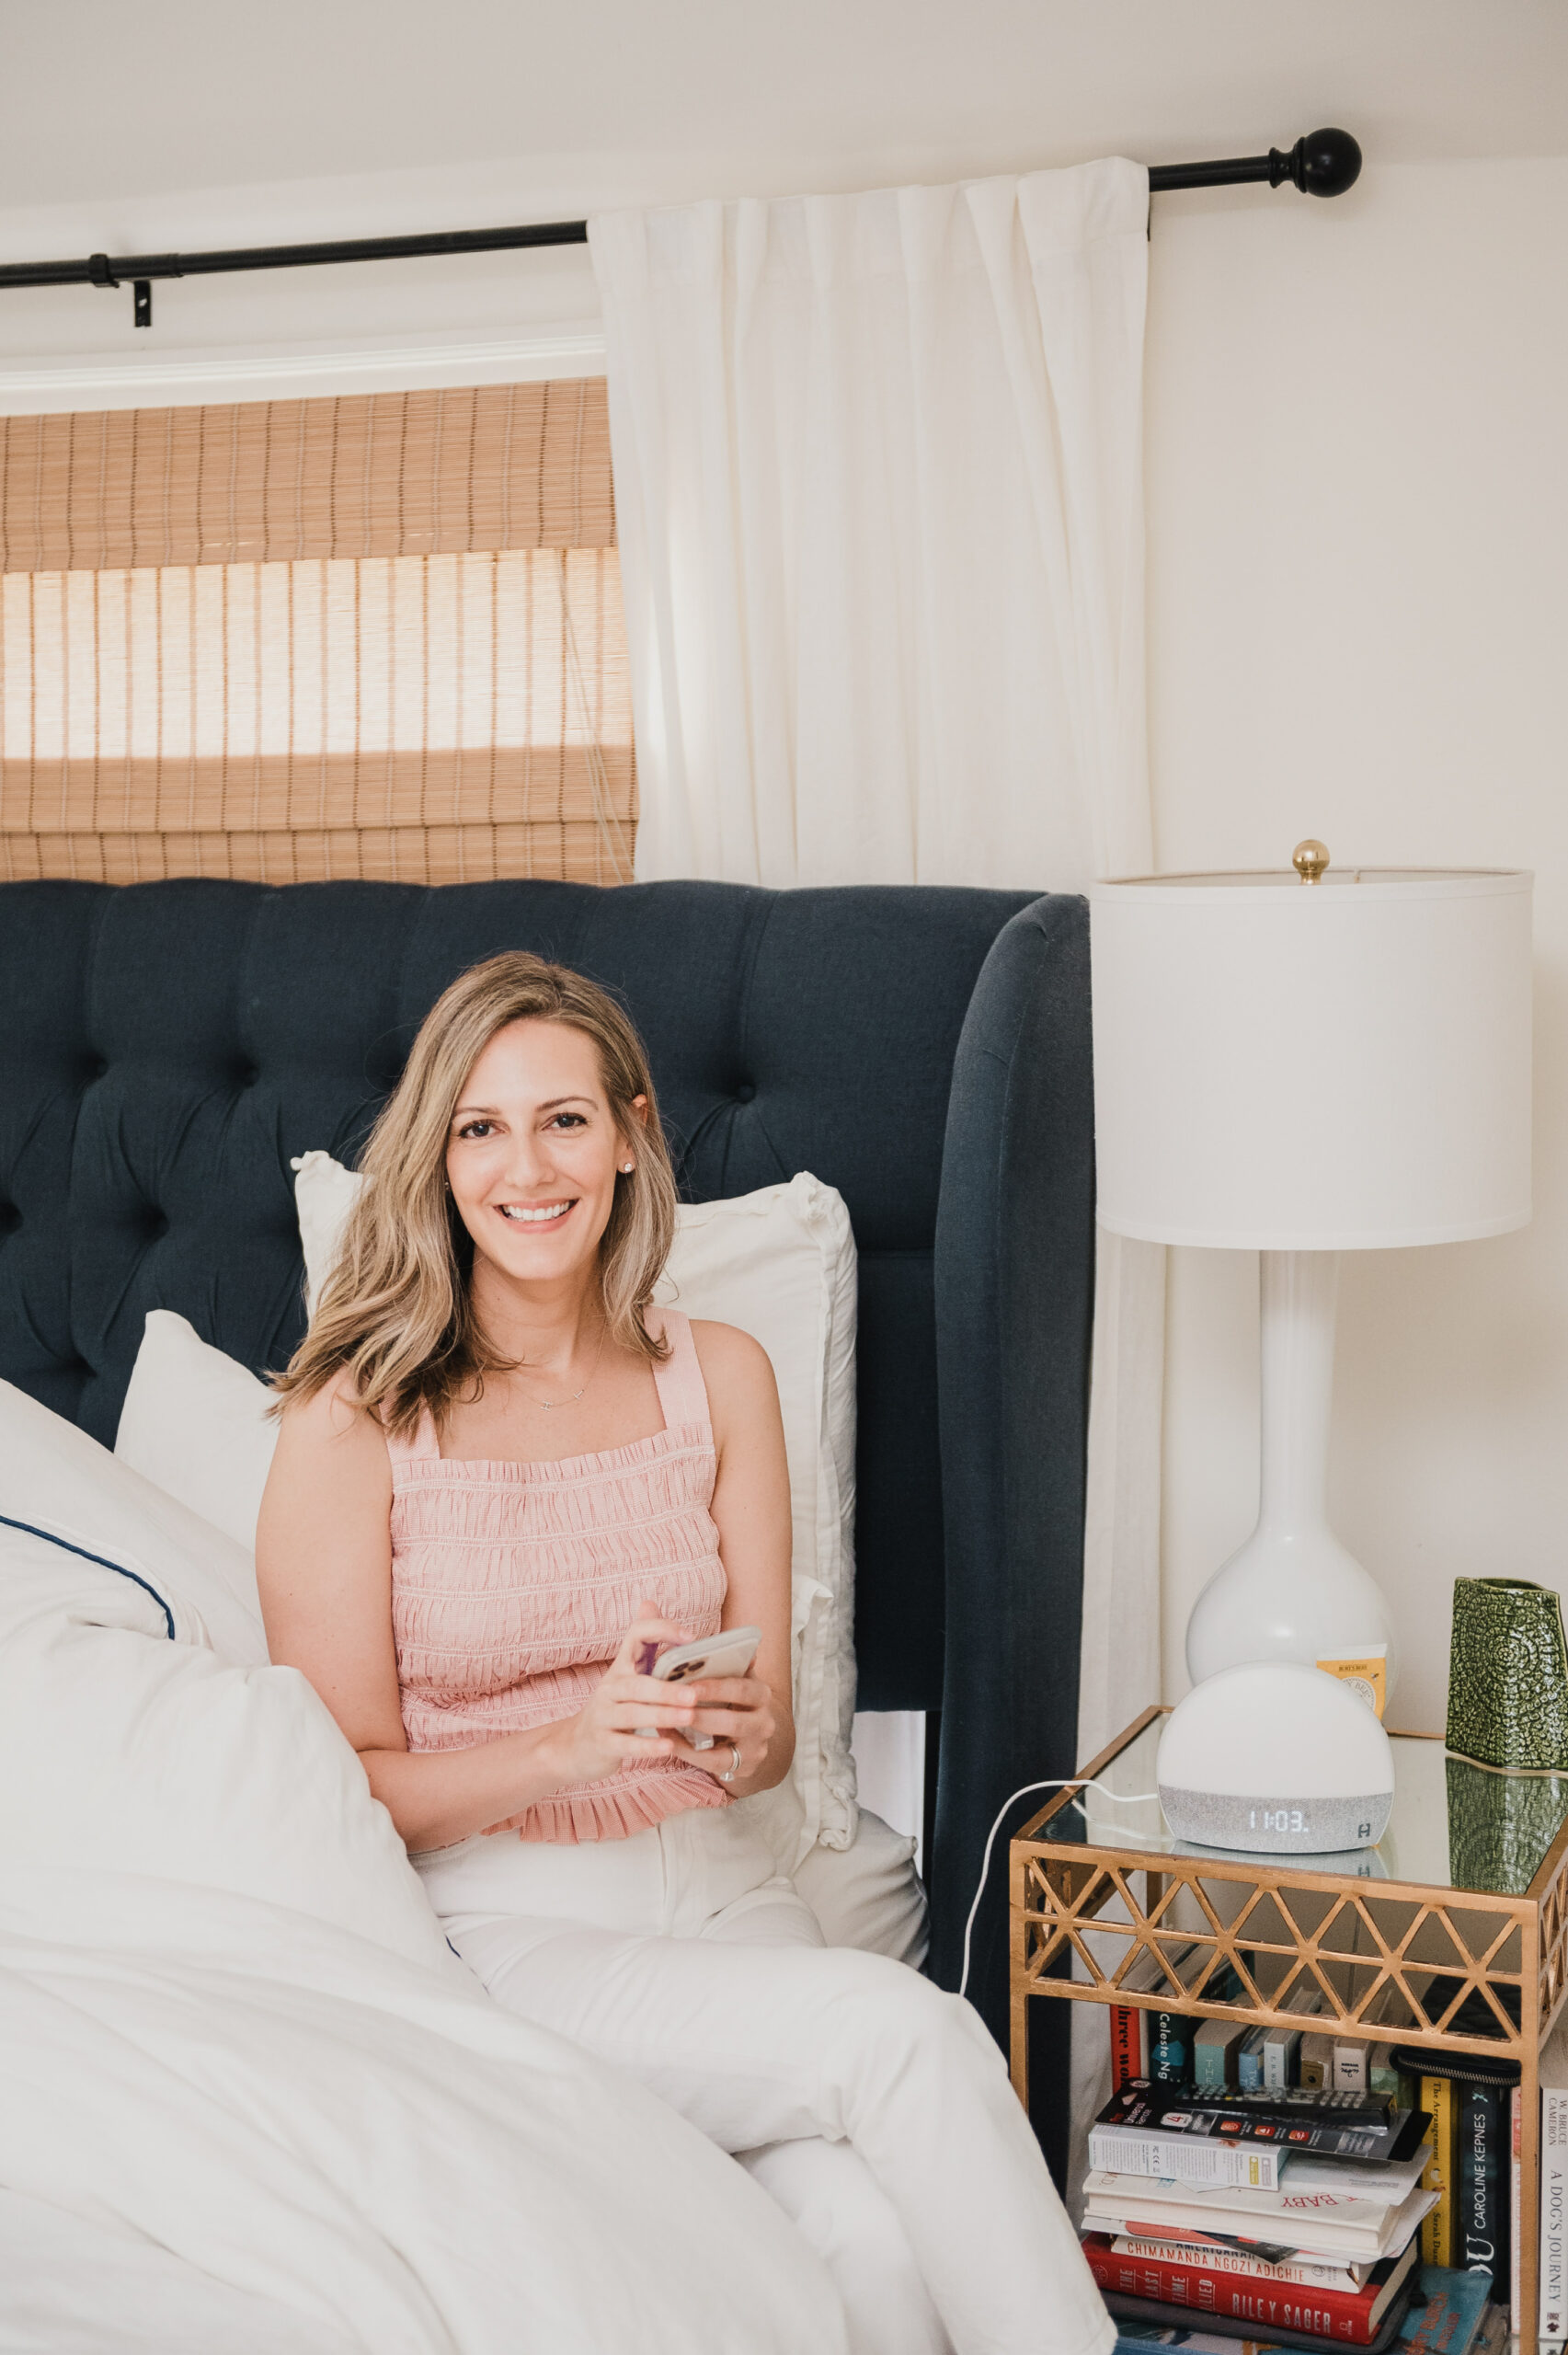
pixel 605 101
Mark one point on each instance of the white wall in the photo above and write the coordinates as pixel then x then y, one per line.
pixel 1358 610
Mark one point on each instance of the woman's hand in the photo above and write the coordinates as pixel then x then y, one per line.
pixel 607 1733
pixel 737 1709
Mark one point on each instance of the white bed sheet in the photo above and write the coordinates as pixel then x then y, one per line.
pixel 249 2097
pixel 73 2287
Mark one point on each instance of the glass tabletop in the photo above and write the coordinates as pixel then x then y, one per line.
pixel 1454 1825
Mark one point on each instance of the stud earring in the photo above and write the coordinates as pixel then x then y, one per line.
pixel 627 1167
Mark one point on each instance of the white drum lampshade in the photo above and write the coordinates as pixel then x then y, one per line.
pixel 1302 1067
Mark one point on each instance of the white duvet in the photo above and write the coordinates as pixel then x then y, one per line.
pixel 249 2100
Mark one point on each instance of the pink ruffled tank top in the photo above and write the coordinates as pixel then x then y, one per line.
pixel 513 1586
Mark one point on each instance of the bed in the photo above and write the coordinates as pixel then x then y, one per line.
pixel 166 1049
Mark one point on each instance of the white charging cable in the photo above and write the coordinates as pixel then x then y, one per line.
pixel 1121 1799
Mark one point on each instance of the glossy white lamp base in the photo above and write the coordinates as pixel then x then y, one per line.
pixel 1292 1591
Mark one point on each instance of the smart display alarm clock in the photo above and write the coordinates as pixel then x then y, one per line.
pixel 1275 1759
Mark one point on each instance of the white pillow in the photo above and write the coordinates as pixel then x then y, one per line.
pixel 122 1754
pixel 324 1192
pixel 197 1423
pixel 780 1263
pixel 53 1478
pixel 869 1894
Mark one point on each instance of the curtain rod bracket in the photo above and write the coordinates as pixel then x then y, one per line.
pixel 101 272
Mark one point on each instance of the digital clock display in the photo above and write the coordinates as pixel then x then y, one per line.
pixel 1278 1818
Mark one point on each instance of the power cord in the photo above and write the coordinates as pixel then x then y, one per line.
pixel 1121 1799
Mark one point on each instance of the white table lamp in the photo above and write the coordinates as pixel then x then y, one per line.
pixel 1304 1064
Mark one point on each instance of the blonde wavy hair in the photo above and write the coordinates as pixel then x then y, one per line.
pixel 397 1313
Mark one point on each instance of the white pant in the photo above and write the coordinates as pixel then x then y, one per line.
pixel 873 2107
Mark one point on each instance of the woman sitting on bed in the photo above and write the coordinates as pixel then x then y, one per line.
pixel 503 1480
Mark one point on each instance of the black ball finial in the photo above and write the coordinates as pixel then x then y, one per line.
pixel 1324 162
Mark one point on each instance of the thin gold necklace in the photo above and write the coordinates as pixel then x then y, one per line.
pixel 550 1405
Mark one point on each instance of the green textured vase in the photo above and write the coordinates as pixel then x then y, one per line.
pixel 1508 1674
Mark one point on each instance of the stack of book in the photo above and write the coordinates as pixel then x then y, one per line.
pixel 1290 2215
pixel 1261 2180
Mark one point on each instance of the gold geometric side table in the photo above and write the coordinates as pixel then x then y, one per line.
pixel 1465 1898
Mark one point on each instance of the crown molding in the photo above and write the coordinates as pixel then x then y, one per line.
pixel 176 379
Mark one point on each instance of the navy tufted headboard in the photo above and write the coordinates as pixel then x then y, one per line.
pixel 165 1049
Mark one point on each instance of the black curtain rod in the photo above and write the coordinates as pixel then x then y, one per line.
pixel 1324 162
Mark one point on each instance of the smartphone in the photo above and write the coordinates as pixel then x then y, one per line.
pixel 729 1653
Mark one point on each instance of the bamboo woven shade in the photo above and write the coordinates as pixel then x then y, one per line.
pixel 388 474
pixel 303 640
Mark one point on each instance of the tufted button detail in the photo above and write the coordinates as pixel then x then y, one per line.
pixel 746 1091
pixel 157 1225
pixel 10 1218
pixel 246 1074
pixel 97 1066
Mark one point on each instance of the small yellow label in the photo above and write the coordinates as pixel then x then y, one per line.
pixel 1365 1672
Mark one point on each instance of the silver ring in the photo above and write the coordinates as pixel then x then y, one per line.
pixel 733 1766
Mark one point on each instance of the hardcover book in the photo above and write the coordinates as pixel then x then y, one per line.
pixel 1316 2060
pixel 1140 2320
pixel 1171 2035
pixel 1516 2303
pixel 1437 2231
pixel 1134 2030
pixel 1141 2324
pixel 1447 2315
pixel 1249 2062
pixel 1210 2254
pixel 1554 2317
pixel 1213 2255
pixel 1281 2051
pixel 1349 2074
pixel 1481 2181
pixel 1308 2220
pixel 1215 2050
pixel 1126 2046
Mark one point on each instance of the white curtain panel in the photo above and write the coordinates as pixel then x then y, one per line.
pixel 878 485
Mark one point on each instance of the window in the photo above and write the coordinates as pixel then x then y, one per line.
pixel 297 640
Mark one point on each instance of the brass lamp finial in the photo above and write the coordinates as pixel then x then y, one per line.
pixel 1310 860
